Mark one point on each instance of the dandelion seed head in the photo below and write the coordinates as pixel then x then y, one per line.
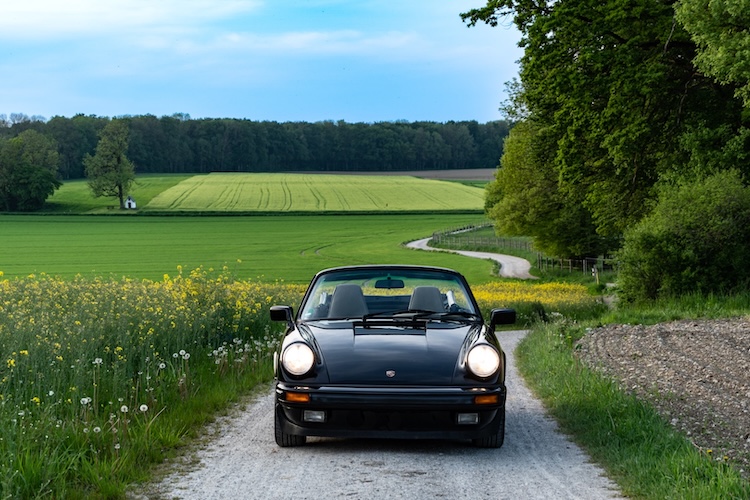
pixel 143 408
pixel 123 409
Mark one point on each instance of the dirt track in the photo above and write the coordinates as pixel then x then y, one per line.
pixel 510 266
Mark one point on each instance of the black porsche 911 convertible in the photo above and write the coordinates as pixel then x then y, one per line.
pixel 390 351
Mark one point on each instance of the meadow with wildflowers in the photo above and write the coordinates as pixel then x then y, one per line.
pixel 95 372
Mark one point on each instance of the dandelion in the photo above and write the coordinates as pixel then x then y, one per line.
pixel 162 366
pixel 98 361
pixel 186 356
pixel 85 401
pixel 117 446
pixel 182 352
pixel 97 430
pixel 123 409
pixel 143 408
pixel 36 400
pixel 51 393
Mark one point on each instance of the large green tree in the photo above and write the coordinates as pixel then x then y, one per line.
pixel 613 85
pixel 109 171
pixel 526 199
pixel 28 171
pixel 721 30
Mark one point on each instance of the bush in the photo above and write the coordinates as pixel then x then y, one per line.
pixel 695 240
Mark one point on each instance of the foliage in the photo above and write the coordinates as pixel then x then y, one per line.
pixel 97 376
pixel 179 144
pixel 721 30
pixel 109 171
pixel 611 94
pixel 695 240
pixel 526 198
pixel 28 171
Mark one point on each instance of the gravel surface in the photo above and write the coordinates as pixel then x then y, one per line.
pixel 510 266
pixel 241 460
pixel 695 373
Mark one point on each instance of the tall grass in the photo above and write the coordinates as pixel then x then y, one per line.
pixel 98 377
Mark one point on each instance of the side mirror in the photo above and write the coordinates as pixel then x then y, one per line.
pixel 502 317
pixel 281 313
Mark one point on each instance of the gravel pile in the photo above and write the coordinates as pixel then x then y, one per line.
pixel 696 373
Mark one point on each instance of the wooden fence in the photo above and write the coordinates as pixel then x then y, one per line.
pixel 462 236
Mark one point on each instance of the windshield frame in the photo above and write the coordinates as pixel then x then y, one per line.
pixel 379 292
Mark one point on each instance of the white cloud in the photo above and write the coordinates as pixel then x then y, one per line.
pixel 48 19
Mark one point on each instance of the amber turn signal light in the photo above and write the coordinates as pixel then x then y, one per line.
pixel 486 399
pixel 297 397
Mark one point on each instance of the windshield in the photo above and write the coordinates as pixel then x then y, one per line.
pixel 357 293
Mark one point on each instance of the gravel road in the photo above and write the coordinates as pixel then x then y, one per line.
pixel 240 459
pixel 510 266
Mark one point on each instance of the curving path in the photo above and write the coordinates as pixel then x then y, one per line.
pixel 510 266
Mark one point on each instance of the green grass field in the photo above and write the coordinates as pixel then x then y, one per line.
pixel 272 247
pixel 314 193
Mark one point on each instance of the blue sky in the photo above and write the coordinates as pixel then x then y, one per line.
pixel 280 60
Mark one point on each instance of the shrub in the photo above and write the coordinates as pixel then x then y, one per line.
pixel 695 240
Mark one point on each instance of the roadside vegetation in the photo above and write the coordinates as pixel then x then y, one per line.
pixel 638 448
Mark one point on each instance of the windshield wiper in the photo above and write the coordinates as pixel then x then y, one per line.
pixel 415 314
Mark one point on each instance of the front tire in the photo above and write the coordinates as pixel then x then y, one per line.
pixel 282 438
pixel 496 440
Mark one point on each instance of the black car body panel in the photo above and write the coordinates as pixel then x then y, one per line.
pixel 364 358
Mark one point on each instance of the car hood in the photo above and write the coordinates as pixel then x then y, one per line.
pixel 391 356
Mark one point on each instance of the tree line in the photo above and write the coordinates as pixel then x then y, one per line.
pixel 633 135
pixel 179 144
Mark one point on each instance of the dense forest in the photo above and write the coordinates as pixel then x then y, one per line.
pixel 180 144
pixel 632 134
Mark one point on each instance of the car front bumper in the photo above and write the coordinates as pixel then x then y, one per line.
pixel 392 412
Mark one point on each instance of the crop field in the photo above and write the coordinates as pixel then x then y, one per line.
pixel 219 192
pixel 289 247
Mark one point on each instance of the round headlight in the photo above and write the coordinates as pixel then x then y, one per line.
pixel 483 360
pixel 297 358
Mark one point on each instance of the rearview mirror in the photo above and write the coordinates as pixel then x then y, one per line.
pixel 389 283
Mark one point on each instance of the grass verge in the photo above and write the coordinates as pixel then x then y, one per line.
pixel 637 447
